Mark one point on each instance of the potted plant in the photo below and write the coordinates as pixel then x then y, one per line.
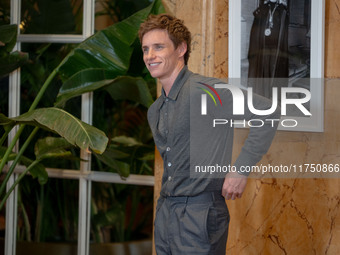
pixel 109 69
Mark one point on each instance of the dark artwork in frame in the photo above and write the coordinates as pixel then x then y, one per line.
pixel 277 44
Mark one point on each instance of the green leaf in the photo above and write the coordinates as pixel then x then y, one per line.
pixel 120 88
pixel 8 38
pixel 9 61
pixel 148 157
pixel 158 7
pixel 75 131
pixel 39 172
pixel 128 141
pixel 12 61
pixel 130 88
pixel 5 120
pixel 116 153
pixel 84 81
pixel 50 147
pixel 108 157
pixel 108 50
pixel 110 217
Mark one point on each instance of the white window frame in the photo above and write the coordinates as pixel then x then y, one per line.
pixel 85 175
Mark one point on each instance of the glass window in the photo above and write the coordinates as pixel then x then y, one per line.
pixel 44 58
pixel 5 12
pixel 4 95
pixel 47 213
pixel 121 213
pixel 109 12
pixel 50 213
pixel 51 17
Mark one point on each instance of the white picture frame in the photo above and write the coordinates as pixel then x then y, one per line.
pixel 239 33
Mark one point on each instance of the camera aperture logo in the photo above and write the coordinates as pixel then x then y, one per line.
pixel 238 105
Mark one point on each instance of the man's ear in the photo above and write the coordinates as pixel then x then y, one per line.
pixel 182 49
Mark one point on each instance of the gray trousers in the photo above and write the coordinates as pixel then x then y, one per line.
pixel 192 225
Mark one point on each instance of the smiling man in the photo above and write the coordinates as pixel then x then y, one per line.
pixel 191 213
pixel 162 59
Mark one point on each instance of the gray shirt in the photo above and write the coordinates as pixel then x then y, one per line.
pixel 186 139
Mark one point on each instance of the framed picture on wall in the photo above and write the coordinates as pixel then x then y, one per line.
pixel 276 48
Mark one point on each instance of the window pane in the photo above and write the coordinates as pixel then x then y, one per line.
pixel 109 12
pixel 51 17
pixel 44 58
pixel 4 82
pixel 4 110
pixel 5 12
pixel 47 214
pixel 3 98
pixel 121 213
pixel 3 103
pixel 131 149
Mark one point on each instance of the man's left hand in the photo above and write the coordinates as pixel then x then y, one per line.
pixel 234 185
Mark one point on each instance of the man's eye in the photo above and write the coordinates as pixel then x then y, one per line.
pixel 145 50
pixel 158 47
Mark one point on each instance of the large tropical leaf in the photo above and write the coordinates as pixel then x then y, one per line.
pixel 127 141
pixel 123 153
pixel 120 88
pixel 109 50
pixel 8 38
pixel 72 129
pixel 9 61
pixel 130 88
pixel 38 171
pixel 12 61
pixel 50 147
pixel 117 166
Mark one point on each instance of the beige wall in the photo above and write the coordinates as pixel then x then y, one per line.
pixel 275 216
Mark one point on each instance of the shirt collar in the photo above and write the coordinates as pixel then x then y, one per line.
pixel 178 84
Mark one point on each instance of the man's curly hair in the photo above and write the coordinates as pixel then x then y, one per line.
pixel 178 32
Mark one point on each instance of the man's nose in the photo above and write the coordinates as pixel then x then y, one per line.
pixel 150 54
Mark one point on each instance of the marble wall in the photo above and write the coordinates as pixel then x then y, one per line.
pixel 275 216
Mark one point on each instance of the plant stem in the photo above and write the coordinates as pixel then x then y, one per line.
pixel 17 158
pixel 10 147
pixel 22 175
pixel 43 89
pixel 3 138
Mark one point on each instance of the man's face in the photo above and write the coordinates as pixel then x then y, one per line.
pixel 159 54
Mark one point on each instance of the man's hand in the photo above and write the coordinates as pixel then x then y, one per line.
pixel 234 185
